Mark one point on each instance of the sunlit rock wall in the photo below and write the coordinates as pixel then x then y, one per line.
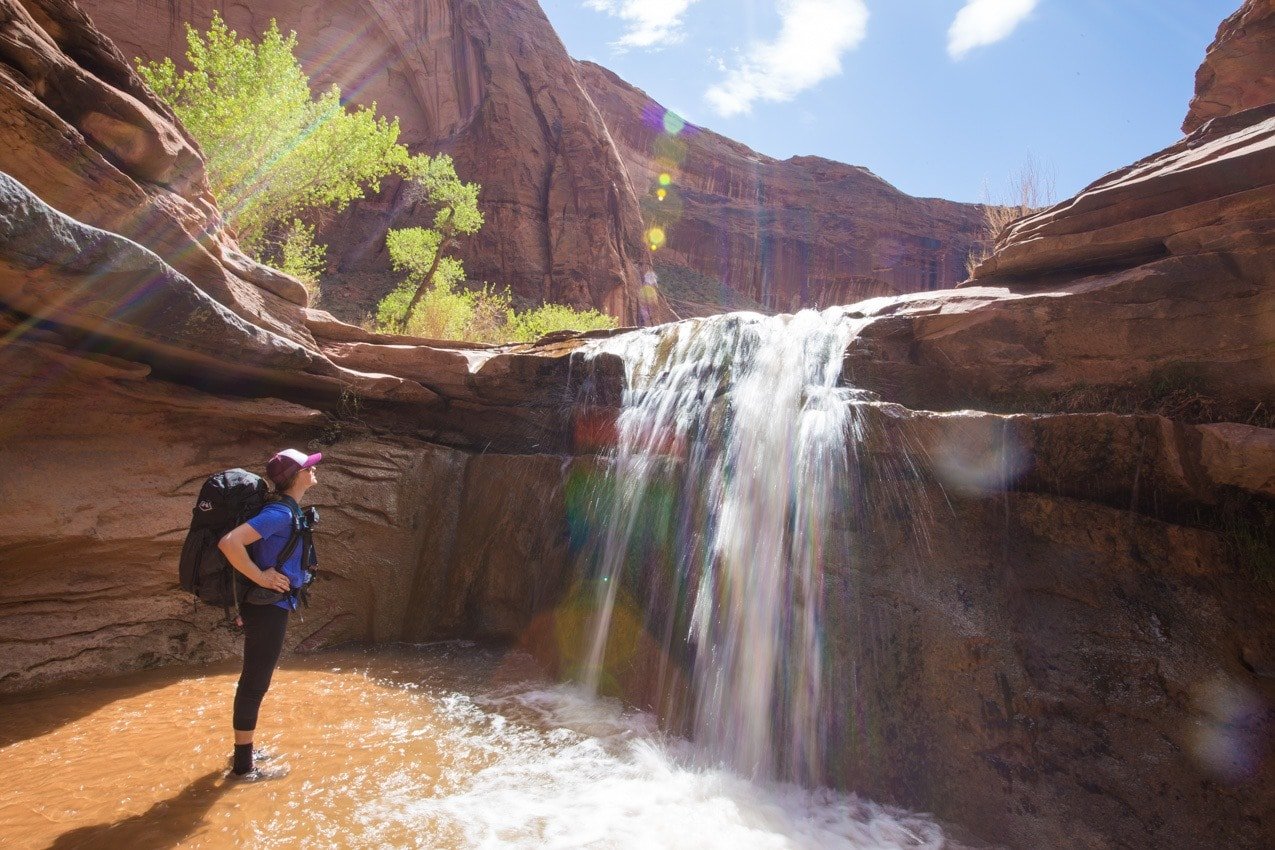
pixel 801 232
pixel 488 82
pixel 1237 73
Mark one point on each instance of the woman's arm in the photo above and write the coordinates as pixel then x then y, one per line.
pixel 235 547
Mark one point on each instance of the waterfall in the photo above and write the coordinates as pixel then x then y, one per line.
pixel 729 465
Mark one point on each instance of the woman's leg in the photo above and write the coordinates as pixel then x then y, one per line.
pixel 264 627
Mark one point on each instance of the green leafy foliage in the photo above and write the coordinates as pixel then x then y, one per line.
pixel 446 312
pixel 300 256
pixel 531 325
pixel 431 302
pixel 456 203
pixel 416 250
pixel 421 251
pixel 273 150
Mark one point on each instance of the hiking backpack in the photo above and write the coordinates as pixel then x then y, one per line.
pixel 227 500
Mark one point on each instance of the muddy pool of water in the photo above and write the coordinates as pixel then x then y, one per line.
pixel 441 746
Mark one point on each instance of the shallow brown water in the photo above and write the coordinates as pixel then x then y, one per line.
pixel 438 747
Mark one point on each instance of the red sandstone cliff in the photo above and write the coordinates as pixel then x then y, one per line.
pixel 1237 72
pixel 569 156
pixel 1075 651
pixel 800 232
pixel 141 350
pixel 485 80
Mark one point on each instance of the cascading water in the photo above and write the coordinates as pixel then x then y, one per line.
pixel 735 462
pixel 730 459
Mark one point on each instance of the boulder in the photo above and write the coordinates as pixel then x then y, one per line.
pixel 116 296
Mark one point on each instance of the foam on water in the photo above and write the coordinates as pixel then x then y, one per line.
pixel 438 747
pixel 568 770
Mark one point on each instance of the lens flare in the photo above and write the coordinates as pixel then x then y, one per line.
pixel 661 193
pixel 1226 737
pixel 655 237
pixel 981 456
pixel 666 179
pixel 668 152
pixel 673 123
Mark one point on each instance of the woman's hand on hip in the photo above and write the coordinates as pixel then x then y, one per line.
pixel 274 580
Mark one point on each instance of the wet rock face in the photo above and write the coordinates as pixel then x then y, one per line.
pixel 1083 663
pixel 796 233
pixel 1053 673
pixel 1237 72
pixel 488 82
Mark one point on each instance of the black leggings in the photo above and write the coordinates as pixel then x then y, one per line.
pixel 263 630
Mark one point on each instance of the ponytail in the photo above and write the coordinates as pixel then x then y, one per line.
pixel 280 488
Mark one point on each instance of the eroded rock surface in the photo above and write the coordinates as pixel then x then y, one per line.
pixel 487 81
pixel 1103 698
pixel 83 133
pixel 129 315
pixel 1161 272
pixel 102 464
pixel 1054 629
pixel 801 232
pixel 1237 72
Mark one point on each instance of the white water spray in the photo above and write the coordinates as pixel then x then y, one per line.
pixel 730 461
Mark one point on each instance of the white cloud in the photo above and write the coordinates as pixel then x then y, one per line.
pixel 813 36
pixel 650 23
pixel 983 22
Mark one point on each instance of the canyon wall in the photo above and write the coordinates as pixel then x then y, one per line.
pixel 1237 72
pixel 143 351
pixel 486 81
pixel 785 234
pixel 569 157
pixel 1056 630
pixel 1117 634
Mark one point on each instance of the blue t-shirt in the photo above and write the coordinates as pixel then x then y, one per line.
pixel 275 523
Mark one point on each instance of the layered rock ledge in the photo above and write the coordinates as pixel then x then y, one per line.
pixel 1054 628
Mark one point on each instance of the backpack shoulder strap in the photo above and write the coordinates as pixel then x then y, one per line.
pixel 295 537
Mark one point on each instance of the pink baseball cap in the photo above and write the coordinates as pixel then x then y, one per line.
pixel 285 463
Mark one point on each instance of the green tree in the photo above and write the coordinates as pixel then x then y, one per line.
pixel 273 150
pixel 421 251
pixel 278 158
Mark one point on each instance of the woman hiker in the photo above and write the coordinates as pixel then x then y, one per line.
pixel 273 593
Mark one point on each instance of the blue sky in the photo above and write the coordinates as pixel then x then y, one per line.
pixel 943 98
